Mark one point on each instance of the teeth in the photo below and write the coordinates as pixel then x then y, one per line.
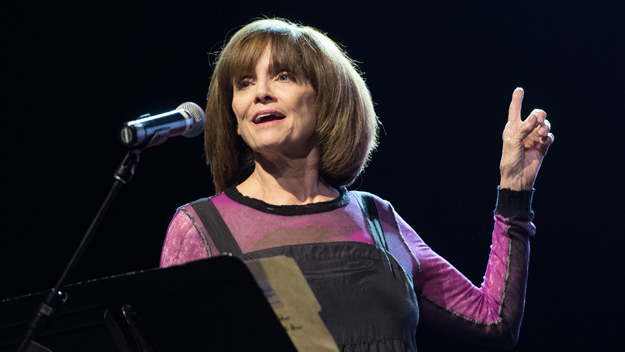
pixel 259 117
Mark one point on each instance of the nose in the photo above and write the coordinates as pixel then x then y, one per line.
pixel 264 92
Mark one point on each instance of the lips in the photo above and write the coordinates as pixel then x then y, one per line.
pixel 267 116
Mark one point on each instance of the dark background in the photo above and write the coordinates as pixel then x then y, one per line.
pixel 441 74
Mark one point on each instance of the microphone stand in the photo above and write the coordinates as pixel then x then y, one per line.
pixel 57 297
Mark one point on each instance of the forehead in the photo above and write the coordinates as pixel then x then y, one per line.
pixel 281 54
pixel 265 61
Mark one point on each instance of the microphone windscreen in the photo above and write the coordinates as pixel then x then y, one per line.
pixel 199 119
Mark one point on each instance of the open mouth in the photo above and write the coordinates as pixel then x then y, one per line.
pixel 262 118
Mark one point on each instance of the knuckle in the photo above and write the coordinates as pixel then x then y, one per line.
pixel 539 113
pixel 546 122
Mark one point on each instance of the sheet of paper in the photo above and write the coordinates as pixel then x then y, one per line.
pixel 293 302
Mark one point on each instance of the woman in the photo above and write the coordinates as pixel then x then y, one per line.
pixel 290 123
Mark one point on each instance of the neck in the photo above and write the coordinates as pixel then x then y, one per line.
pixel 285 180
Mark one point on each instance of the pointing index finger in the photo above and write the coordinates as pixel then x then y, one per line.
pixel 514 113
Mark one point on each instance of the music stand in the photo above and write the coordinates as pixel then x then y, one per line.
pixel 208 305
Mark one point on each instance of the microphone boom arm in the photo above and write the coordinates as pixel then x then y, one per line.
pixel 56 297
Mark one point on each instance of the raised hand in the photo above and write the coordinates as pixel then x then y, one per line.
pixel 525 144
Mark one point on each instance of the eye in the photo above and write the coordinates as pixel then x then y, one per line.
pixel 284 77
pixel 244 84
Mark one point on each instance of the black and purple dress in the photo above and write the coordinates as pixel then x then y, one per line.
pixel 373 275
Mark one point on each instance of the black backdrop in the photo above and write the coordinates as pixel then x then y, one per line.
pixel 441 74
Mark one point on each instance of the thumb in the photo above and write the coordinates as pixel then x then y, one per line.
pixel 527 126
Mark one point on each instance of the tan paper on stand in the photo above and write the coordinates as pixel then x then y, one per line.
pixel 293 302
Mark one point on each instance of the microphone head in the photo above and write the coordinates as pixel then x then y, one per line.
pixel 199 119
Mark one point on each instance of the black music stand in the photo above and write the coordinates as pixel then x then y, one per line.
pixel 208 305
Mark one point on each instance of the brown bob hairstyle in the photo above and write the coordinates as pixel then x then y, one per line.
pixel 346 128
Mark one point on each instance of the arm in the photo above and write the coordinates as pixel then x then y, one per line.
pixel 492 313
pixel 183 242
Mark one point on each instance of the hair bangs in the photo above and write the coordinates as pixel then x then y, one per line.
pixel 289 50
pixel 289 53
pixel 241 60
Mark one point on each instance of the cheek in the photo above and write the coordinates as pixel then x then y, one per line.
pixel 236 113
pixel 311 107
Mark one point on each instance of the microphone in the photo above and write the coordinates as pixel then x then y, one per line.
pixel 188 120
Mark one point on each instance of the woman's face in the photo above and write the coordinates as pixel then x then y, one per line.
pixel 275 110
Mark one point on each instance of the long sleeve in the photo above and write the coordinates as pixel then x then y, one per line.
pixel 490 314
pixel 183 242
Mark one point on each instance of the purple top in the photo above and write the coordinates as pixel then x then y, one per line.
pixel 490 314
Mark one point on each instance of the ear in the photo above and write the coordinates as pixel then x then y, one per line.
pixel 238 129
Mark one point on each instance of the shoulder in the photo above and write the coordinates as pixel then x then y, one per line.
pixel 186 221
pixel 186 238
pixel 385 210
pixel 191 209
pixel 383 205
pixel 215 199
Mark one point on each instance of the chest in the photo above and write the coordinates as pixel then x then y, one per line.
pixel 256 230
